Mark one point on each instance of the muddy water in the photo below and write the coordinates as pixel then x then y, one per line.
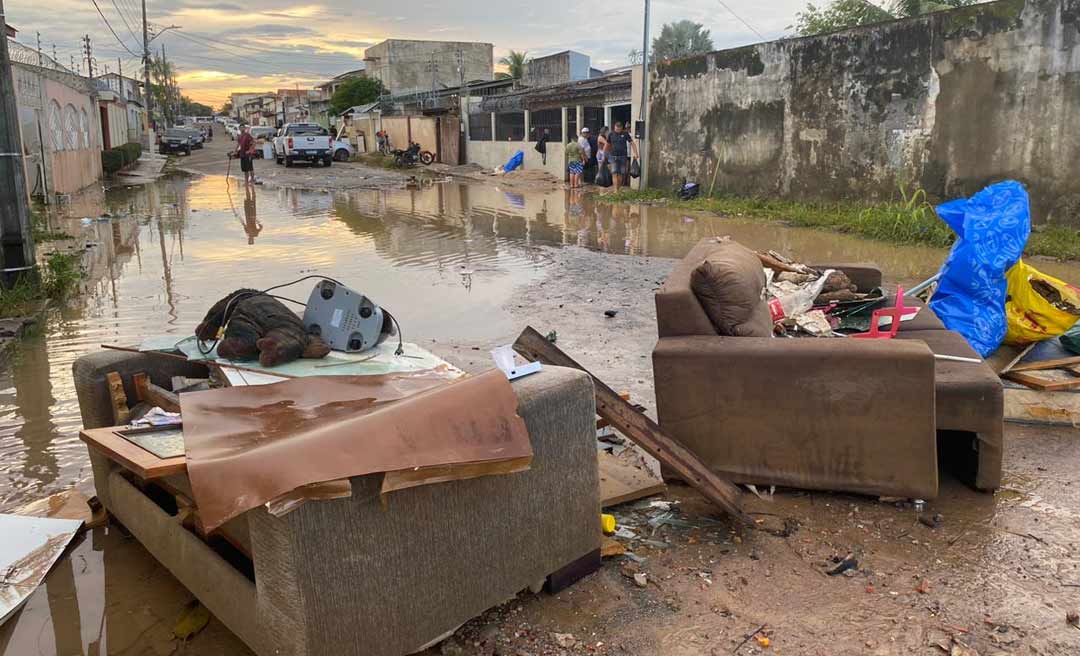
pixel 446 258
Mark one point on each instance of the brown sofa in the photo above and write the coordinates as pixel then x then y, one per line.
pixel 866 416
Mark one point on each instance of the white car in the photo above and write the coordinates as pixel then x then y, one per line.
pixel 343 150
pixel 303 142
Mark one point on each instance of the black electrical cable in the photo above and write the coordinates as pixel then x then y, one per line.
pixel 226 314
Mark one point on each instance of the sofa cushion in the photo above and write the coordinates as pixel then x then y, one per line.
pixel 924 320
pixel 728 284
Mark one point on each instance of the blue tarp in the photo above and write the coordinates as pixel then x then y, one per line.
pixel 514 161
pixel 992 228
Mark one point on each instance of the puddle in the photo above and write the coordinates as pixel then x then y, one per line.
pixel 445 258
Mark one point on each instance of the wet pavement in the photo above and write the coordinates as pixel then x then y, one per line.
pixel 464 267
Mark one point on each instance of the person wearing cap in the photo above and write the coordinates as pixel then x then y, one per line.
pixel 583 143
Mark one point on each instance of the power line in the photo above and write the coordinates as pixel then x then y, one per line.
pixel 251 64
pixel 126 23
pixel 314 58
pixel 740 19
pixel 118 39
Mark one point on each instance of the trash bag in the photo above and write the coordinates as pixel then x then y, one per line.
pixel 1071 340
pixel 603 176
pixel 635 169
pixel 514 162
pixel 992 228
pixel 1038 306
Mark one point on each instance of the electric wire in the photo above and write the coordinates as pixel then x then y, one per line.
pixel 126 23
pixel 740 19
pixel 111 30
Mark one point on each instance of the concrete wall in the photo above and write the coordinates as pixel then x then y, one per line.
pixel 118 124
pixel 404 66
pixel 950 101
pixel 555 69
pixel 490 154
pixel 60 108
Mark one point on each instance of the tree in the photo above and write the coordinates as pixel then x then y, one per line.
pixel 189 107
pixel 226 108
pixel 841 14
pixel 356 91
pixel 515 65
pixel 680 40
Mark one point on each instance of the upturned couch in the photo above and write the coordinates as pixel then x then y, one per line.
pixel 865 416
pixel 373 574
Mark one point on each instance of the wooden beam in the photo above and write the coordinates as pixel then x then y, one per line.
pixel 643 431
pixel 1060 363
pixel 1042 384
pixel 121 412
pixel 154 395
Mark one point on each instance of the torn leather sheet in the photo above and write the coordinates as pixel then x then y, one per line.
pixel 248 445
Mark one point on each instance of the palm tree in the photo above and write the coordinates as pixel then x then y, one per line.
pixel 515 65
pixel 681 39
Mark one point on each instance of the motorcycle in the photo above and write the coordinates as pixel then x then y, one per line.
pixel 411 155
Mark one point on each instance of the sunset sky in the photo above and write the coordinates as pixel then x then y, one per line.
pixel 234 46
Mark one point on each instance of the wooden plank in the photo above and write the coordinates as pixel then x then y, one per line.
pixel 638 427
pixel 69 504
pixel 1041 384
pixel 154 395
pixel 1019 355
pixel 121 412
pixel 621 482
pixel 131 456
pixel 1046 364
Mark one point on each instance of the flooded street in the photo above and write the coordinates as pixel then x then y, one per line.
pixel 464 267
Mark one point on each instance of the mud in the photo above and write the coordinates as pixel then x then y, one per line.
pixel 465 267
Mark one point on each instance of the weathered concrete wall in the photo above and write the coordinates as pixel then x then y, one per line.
pixel 555 69
pixel 404 66
pixel 950 101
pixel 490 154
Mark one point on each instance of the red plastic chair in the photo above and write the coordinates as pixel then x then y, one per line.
pixel 898 313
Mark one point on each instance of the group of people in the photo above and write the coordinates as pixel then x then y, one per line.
pixel 609 153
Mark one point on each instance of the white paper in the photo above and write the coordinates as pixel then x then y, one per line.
pixel 28 549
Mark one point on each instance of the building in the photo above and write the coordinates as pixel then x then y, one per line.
pixel 405 66
pixel 319 107
pixel 331 86
pixel 257 109
pixel 497 126
pixel 59 123
pixel 565 66
pixel 238 100
pixel 128 92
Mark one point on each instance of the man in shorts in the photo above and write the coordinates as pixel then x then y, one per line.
pixel 245 150
pixel 621 148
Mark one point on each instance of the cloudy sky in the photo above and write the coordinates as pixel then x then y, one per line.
pixel 241 45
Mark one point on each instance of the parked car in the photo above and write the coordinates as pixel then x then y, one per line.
pixel 309 142
pixel 196 135
pixel 175 140
pixel 262 132
pixel 343 150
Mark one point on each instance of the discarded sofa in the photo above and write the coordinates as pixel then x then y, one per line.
pixel 865 416
pixel 373 574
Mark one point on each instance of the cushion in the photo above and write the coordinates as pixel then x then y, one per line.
pixel 728 284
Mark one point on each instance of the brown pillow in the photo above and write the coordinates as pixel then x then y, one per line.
pixel 728 284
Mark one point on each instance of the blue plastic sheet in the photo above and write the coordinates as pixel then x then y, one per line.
pixel 514 161
pixel 992 228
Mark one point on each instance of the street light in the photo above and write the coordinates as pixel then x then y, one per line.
pixel 163 31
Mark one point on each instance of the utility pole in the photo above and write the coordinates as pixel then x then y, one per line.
pixel 89 56
pixel 434 76
pixel 16 241
pixel 166 110
pixel 643 112
pixel 149 103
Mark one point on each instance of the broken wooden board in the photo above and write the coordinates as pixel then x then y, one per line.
pixel 150 393
pixel 69 504
pixel 1041 383
pixel 118 398
pixel 621 482
pixel 638 427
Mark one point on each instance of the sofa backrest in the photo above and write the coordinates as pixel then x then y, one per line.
pixel 678 312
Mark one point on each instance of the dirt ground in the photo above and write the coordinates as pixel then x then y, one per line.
pixel 212 159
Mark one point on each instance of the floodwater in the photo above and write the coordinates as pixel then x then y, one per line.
pixel 445 258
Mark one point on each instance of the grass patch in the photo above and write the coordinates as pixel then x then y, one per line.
pixel 56 279
pixel 379 160
pixel 909 219
pixel 40 230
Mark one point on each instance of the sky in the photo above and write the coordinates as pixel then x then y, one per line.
pixel 224 46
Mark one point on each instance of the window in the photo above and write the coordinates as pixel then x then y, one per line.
pixel 546 119
pixel 480 126
pixel 594 118
pixel 510 126
pixel 71 128
pixel 84 128
pixel 571 123
pixel 56 126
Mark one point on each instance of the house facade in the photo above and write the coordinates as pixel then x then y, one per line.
pixel 407 66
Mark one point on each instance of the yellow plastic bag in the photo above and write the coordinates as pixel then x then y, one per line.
pixel 1038 306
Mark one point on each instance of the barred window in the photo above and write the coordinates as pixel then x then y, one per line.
pixel 480 126
pixel 571 124
pixel 545 119
pixel 594 118
pixel 510 126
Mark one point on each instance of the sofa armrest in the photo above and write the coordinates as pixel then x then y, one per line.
pixel 838 414
pixel 89 372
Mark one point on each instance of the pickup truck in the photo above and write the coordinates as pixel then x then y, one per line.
pixel 308 142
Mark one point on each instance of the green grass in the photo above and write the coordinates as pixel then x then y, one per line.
pixel 909 219
pixel 380 160
pixel 55 280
